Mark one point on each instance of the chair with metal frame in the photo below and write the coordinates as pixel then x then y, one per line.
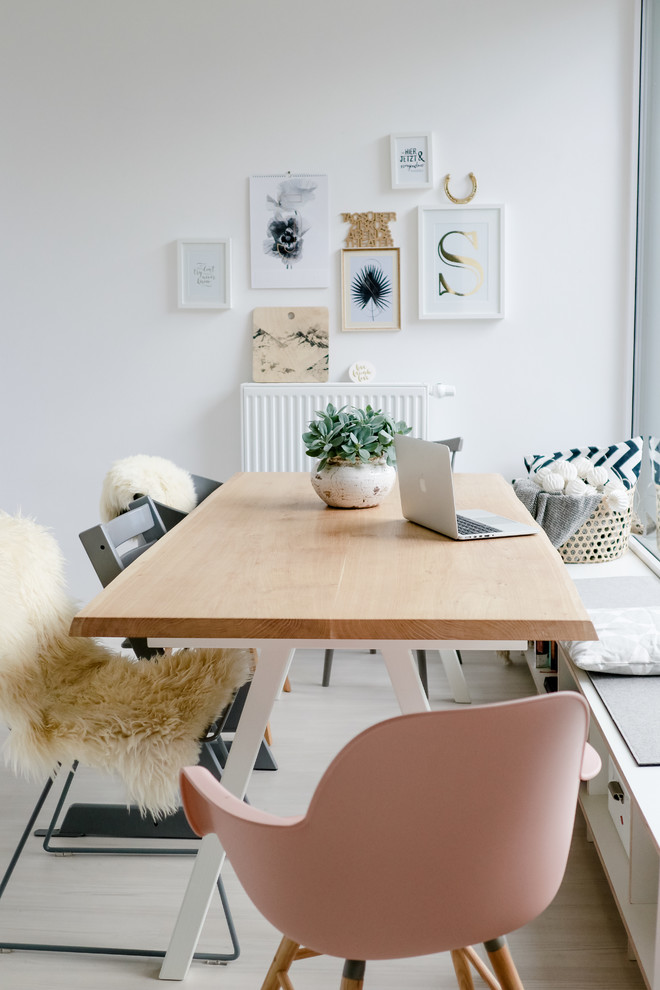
pixel 35 646
pixel 111 547
pixel 109 555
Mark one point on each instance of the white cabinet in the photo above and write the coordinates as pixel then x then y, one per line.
pixel 626 833
pixel 630 848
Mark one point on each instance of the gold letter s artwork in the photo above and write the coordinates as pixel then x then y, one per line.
pixel 458 261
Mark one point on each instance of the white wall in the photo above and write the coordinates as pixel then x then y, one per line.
pixel 128 124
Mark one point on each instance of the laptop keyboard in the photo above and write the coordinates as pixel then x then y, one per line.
pixel 466 527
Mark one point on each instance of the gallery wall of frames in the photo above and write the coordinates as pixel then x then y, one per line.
pixel 460 262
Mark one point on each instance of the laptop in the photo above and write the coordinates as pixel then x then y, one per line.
pixel 427 495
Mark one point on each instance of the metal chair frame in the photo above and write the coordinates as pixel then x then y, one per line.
pixel 50 832
pixel 143 526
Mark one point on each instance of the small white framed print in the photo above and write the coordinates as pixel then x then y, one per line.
pixel 461 262
pixel 412 160
pixel 204 273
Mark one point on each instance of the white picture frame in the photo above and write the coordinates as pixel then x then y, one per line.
pixel 461 262
pixel 204 273
pixel 289 231
pixel 412 160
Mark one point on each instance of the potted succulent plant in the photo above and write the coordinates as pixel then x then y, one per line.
pixel 355 453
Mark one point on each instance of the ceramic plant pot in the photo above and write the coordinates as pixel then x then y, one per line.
pixel 354 486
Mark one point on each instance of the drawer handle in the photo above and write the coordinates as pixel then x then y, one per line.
pixel 615 789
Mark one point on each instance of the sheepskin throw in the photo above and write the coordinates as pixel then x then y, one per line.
pixel 143 474
pixel 68 698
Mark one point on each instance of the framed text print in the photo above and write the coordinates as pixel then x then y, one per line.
pixel 204 274
pixel 461 262
pixel 289 231
pixel 370 289
pixel 412 161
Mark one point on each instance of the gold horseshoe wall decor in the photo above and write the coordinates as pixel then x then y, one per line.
pixel 454 199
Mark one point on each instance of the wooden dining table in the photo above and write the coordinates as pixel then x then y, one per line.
pixel 263 562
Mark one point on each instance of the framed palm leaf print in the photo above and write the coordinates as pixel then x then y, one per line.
pixel 371 289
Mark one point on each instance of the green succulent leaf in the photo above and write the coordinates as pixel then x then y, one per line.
pixel 351 434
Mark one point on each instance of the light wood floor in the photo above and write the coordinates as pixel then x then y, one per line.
pixel 578 943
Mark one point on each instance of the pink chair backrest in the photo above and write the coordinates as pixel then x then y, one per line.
pixel 427 832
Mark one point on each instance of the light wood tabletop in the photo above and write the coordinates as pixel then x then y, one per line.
pixel 264 558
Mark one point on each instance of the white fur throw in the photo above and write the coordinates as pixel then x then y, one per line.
pixel 143 474
pixel 68 698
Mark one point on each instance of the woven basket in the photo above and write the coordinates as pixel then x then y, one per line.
pixel 604 536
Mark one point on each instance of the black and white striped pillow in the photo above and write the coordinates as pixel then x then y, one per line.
pixel 622 459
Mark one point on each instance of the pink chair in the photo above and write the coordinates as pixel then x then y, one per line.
pixel 427 833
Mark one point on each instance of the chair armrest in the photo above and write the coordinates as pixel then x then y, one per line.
pixel 200 792
pixel 591 763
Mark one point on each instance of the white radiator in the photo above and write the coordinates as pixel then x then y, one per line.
pixel 274 417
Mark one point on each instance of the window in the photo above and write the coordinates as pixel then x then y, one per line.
pixel 646 388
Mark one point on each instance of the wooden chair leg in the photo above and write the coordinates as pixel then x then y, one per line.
pixel 277 977
pixel 353 975
pixel 268 735
pixel 462 970
pixel 286 953
pixel 287 684
pixel 503 965
pixel 470 956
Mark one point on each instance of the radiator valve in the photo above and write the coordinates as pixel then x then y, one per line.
pixel 442 391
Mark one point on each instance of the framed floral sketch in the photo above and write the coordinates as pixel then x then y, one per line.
pixel 204 273
pixel 289 231
pixel 371 289
pixel 461 262
pixel 412 160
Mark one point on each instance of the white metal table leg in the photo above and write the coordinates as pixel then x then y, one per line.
pixel 404 675
pixel 286 672
pixel 455 676
pixel 194 908
pixel 268 677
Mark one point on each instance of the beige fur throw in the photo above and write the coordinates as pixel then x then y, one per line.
pixel 67 698
pixel 144 474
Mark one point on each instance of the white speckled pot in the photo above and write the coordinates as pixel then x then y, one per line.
pixel 354 486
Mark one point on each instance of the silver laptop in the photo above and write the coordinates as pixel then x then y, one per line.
pixel 427 495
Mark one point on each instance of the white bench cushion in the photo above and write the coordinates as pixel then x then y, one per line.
pixel 628 642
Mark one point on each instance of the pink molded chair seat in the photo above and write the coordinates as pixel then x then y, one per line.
pixel 426 833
